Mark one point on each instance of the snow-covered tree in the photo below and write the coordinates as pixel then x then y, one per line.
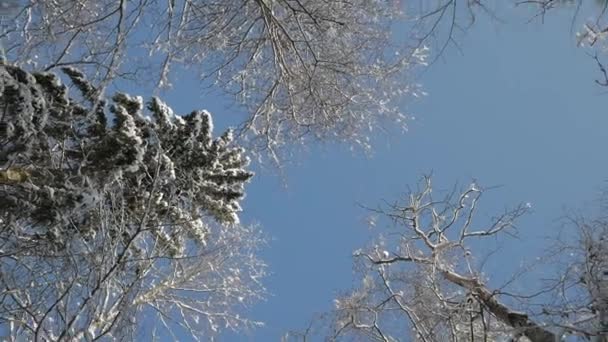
pixel 423 280
pixel 302 68
pixel 118 219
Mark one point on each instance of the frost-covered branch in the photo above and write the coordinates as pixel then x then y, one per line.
pixel 424 273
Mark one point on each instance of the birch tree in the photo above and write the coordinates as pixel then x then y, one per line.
pixel 118 219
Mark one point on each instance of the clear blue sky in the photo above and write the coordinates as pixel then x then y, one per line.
pixel 518 108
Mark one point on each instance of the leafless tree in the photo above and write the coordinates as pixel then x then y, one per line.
pixel 423 281
pixel 302 68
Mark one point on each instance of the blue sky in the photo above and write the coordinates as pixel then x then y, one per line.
pixel 517 108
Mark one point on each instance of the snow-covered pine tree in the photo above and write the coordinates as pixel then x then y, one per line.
pixel 125 215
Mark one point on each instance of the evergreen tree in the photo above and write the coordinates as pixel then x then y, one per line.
pixel 109 210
